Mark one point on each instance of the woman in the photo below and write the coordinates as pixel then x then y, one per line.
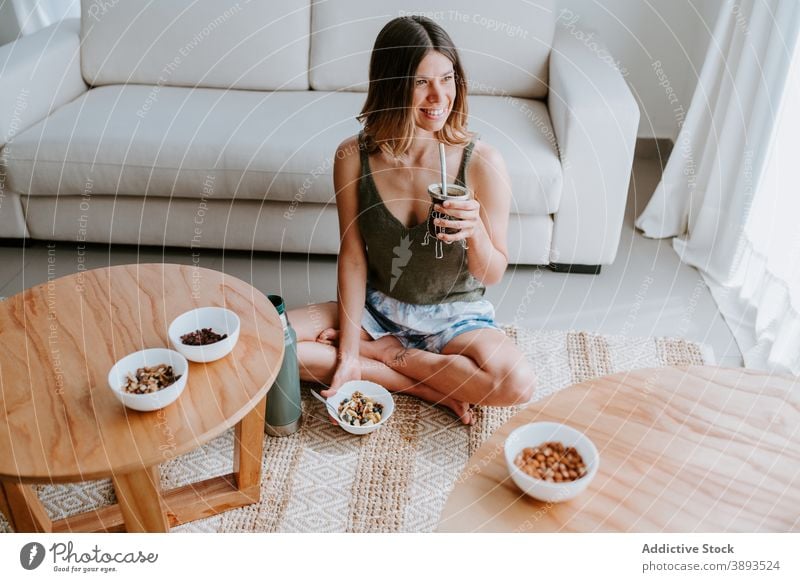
pixel 405 319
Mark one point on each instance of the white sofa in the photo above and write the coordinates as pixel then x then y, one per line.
pixel 202 123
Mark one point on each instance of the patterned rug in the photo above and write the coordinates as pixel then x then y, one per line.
pixel 397 479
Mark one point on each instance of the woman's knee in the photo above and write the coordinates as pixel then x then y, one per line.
pixel 514 383
pixel 309 321
pixel 317 362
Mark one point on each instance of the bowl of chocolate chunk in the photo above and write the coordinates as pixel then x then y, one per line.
pixel 205 334
pixel 150 379
pixel 551 461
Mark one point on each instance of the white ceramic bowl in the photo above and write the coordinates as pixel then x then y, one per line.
pixel 152 357
pixel 537 433
pixel 219 319
pixel 375 391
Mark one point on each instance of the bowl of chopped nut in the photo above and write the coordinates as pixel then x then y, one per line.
pixel 363 406
pixel 550 461
pixel 149 379
pixel 205 334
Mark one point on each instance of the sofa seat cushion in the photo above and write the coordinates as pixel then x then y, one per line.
pixel 170 141
pixel 137 140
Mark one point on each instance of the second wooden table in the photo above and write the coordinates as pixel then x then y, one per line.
pixel 701 449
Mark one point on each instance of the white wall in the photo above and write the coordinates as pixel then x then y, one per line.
pixel 9 27
pixel 21 17
pixel 642 33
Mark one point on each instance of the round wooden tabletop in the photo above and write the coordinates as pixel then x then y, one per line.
pixel 59 420
pixel 683 450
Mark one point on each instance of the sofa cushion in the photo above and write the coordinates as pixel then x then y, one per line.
pixel 204 43
pixel 192 143
pixel 521 131
pixel 225 224
pixel 504 45
pixel 170 141
pixel 180 222
pixel 12 217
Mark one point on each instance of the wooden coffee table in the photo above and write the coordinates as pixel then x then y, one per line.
pixel 59 421
pixel 696 449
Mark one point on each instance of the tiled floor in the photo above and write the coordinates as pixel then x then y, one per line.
pixel 646 292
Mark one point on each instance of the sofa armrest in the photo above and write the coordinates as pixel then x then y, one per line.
pixel 595 120
pixel 40 72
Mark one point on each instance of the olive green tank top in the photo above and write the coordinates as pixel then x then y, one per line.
pixel 400 262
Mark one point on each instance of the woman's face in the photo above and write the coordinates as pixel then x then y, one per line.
pixel 434 91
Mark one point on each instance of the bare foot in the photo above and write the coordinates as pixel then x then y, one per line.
pixel 459 408
pixel 329 336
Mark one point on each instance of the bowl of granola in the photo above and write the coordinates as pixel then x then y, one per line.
pixel 149 379
pixel 363 406
pixel 205 334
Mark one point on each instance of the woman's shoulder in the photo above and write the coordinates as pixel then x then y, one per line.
pixel 485 157
pixel 347 154
pixel 349 148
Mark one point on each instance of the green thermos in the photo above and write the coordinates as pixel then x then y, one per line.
pixel 283 399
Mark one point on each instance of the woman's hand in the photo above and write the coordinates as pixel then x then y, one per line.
pixel 465 218
pixel 349 368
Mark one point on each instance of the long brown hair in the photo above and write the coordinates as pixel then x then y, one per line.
pixel 387 113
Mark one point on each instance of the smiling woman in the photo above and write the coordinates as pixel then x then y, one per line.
pixel 414 61
pixel 407 318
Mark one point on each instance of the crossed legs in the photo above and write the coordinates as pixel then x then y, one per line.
pixel 478 367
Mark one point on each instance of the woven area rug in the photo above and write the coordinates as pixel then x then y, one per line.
pixel 397 479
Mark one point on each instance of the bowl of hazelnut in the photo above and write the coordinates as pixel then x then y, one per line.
pixel 205 334
pixel 149 379
pixel 550 461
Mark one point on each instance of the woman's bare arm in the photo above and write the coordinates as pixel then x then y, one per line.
pixel 484 221
pixel 352 265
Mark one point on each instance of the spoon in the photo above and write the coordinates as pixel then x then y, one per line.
pixel 331 408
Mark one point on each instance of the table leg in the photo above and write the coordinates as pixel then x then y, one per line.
pixel 139 498
pixel 248 452
pixel 22 507
pixel 5 508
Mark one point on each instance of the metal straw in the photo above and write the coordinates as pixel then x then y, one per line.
pixel 443 164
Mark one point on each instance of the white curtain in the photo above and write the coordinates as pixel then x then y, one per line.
pixel 729 193
pixel 21 17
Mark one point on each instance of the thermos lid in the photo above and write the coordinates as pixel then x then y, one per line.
pixel 277 301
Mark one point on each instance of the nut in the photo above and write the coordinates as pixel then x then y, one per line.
pixel 202 337
pixel 551 461
pixel 150 379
